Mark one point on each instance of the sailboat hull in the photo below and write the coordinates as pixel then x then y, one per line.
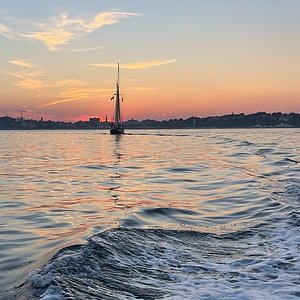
pixel 117 131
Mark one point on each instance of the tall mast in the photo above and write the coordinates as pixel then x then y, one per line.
pixel 117 109
pixel 118 73
pixel 117 126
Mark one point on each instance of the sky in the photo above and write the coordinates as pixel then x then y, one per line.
pixel 178 58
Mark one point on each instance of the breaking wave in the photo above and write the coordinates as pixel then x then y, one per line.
pixel 256 262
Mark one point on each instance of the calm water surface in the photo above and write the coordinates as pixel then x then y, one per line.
pixel 179 189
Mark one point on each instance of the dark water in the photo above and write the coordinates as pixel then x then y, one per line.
pixel 203 214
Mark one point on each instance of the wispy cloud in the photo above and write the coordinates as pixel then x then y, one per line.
pixel 131 80
pixel 5 31
pixel 30 84
pixel 21 63
pixel 106 18
pixel 33 81
pixel 67 82
pixel 87 49
pixel 28 81
pixel 144 89
pixel 52 38
pixel 86 93
pixel 137 66
pixel 78 94
pixel 14 74
pixel 61 30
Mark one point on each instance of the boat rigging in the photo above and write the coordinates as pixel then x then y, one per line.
pixel 117 126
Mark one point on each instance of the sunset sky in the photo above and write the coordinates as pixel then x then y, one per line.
pixel 178 58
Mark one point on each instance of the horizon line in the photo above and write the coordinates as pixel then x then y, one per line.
pixel 175 118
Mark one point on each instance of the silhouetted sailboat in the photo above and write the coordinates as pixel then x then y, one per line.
pixel 117 126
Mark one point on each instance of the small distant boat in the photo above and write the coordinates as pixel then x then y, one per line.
pixel 117 126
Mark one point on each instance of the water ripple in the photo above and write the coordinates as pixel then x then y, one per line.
pixel 54 194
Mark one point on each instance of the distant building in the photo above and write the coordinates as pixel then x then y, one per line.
pixel 94 122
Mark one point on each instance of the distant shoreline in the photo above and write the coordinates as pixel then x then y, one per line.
pixel 144 128
pixel 259 120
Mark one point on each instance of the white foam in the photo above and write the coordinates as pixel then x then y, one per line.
pixel 268 268
pixel 262 262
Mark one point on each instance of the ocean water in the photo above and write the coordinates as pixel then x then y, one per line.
pixel 172 214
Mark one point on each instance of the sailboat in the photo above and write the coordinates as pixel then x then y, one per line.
pixel 117 126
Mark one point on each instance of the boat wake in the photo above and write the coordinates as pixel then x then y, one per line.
pixel 257 262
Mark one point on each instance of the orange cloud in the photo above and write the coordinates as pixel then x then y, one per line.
pixel 77 94
pixel 52 38
pixel 67 82
pixel 31 84
pixel 106 18
pixel 31 81
pixel 137 66
pixel 61 31
pixel 21 63
pixel 28 81
pixel 87 49
pixel 144 89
